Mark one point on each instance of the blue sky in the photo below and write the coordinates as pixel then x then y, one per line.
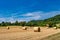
pixel 26 10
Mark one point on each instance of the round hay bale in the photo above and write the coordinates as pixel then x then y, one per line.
pixel 8 28
pixel 37 29
pixel 24 28
pixel 54 27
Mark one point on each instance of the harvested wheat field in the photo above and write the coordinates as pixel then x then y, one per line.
pixel 16 33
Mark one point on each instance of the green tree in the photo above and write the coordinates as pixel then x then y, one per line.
pixel 3 24
pixel 16 23
pixel 23 23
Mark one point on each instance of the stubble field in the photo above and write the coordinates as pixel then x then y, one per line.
pixel 16 33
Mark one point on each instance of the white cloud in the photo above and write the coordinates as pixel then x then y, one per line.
pixel 2 19
pixel 29 16
pixel 40 15
pixel 32 15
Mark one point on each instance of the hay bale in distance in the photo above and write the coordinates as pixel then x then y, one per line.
pixel 8 28
pixel 37 29
pixel 55 27
pixel 24 28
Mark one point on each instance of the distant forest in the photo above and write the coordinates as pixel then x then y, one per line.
pixel 51 21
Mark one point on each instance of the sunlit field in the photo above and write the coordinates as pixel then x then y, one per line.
pixel 17 33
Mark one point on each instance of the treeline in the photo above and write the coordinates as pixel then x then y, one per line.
pixel 24 23
pixel 51 21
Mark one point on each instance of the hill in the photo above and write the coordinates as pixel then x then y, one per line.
pixel 53 20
